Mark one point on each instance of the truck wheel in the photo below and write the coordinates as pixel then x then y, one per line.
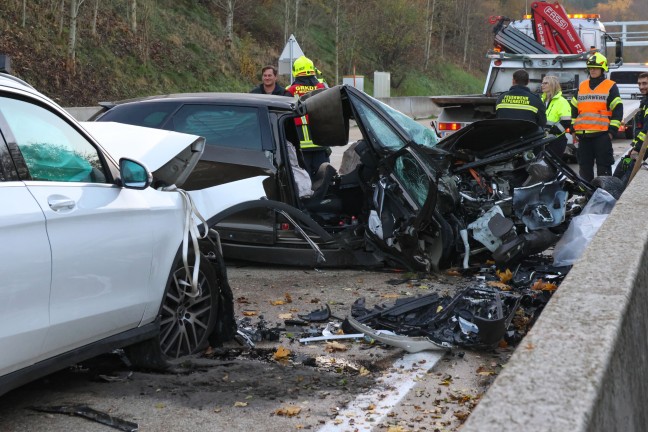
pixel 613 185
pixel 185 322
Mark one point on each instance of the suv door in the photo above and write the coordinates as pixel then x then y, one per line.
pixel 101 235
pixel 25 265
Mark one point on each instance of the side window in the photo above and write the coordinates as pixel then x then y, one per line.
pixel 53 150
pixel 379 131
pixel 222 126
pixel 412 178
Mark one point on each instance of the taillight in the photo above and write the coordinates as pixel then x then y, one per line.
pixel 285 226
pixel 449 126
pixel 497 62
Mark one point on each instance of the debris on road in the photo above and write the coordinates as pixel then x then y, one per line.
pixel 90 414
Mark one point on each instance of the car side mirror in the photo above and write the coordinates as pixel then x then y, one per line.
pixel 618 52
pixel 134 175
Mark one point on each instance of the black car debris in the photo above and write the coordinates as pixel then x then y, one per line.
pixel 409 200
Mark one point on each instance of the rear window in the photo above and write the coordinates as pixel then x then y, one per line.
pixel 628 77
pixel 151 115
pixel 223 126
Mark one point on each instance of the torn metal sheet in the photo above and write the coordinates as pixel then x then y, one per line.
pixel 90 414
pixel 409 344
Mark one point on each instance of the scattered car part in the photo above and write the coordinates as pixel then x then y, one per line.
pixel 407 343
pixel 90 414
pixel 319 315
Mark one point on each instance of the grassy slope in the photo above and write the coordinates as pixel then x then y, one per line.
pixel 178 48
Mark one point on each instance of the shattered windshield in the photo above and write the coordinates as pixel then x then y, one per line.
pixel 418 133
pixel 382 133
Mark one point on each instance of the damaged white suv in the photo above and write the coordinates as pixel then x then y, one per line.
pixel 92 255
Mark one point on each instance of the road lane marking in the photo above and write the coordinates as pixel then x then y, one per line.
pixel 395 383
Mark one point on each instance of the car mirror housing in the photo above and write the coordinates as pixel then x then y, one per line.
pixel 134 175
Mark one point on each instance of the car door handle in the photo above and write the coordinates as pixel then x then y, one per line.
pixel 61 203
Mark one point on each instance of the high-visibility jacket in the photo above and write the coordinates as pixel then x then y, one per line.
pixel 641 120
pixel 558 114
pixel 300 87
pixel 595 109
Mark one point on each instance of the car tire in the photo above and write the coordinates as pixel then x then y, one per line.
pixel 613 185
pixel 186 322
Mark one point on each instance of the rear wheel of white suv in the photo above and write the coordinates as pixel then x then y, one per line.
pixel 186 320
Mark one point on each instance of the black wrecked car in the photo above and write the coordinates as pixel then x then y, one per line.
pixel 404 198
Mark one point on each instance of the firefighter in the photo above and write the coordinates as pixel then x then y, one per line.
pixel 641 120
pixel 519 103
pixel 558 113
pixel 597 111
pixel 305 82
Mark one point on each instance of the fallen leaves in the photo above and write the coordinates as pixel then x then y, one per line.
pixel 288 411
pixel 504 276
pixel 335 347
pixel 285 316
pixel 238 404
pixel 281 354
pixel 540 285
pixel 500 285
pixel 287 299
pixel 249 313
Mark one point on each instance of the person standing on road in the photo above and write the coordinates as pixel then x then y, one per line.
pixel 641 120
pixel 305 82
pixel 558 113
pixel 597 111
pixel 519 103
pixel 269 83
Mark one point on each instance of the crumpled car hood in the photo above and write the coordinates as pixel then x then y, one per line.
pixel 170 156
pixel 487 137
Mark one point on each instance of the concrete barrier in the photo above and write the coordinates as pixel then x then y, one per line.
pixel 82 113
pixel 413 106
pixel 583 366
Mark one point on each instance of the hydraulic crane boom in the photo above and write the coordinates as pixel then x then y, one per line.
pixel 553 29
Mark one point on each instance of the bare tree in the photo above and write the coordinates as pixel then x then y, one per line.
pixel 24 12
pixel 61 17
pixel 337 41
pixel 133 16
pixel 229 6
pixel 94 18
pixel 71 53
pixel 429 26
pixel 296 17
pixel 286 19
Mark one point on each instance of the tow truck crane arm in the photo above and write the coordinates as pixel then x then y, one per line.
pixel 553 29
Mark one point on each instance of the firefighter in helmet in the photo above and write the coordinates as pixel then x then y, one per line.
pixel 597 111
pixel 305 82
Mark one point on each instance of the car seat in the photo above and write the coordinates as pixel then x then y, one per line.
pixel 319 202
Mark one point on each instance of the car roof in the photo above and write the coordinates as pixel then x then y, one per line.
pixel 252 99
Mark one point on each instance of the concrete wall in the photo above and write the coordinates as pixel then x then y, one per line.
pixel 82 113
pixel 583 366
pixel 413 106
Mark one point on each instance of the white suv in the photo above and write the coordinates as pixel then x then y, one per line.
pixel 90 254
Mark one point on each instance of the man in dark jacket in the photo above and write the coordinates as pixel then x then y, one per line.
pixel 269 84
pixel 519 103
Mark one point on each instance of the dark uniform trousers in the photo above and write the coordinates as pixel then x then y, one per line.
pixel 597 147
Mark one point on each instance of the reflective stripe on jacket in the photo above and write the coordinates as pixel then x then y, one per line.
pixel 641 119
pixel 299 89
pixel 593 111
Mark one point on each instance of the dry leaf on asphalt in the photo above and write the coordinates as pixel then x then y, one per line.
pixel 285 316
pixel 288 411
pixel 249 313
pixel 277 302
pixel 334 347
pixel 504 276
pixel 281 353
pixel 288 298
pixel 544 286
pixel 500 285
pixel 240 404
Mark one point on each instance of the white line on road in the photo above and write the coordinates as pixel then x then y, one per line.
pixel 395 383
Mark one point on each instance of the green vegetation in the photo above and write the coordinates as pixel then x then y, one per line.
pixel 180 46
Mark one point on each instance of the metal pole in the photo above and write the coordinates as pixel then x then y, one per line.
pixel 291 60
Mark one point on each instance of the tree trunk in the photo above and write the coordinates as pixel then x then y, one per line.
pixel 71 52
pixel 61 17
pixel 296 17
pixel 337 41
pixel 229 23
pixel 286 18
pixel 94 18
pixel 24 12
pixel 429 29
pixel 133 16
pixel 467 8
